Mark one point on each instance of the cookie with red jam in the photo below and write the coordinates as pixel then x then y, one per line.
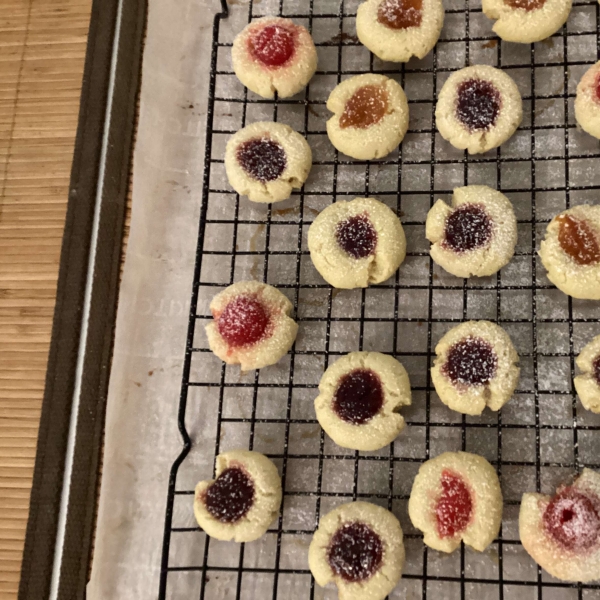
pixel 266 161
pixel 359 401
pixel 273 54
pixel 475 367
pixel 359 547
pixel 370 116
pixel 587 383
pixel 527 21
pixel 478 108
pixel 571 252
pixel 251 325
pixel 456 497
pixel 587 101
pixel 243 499
pixel 562 532
pixel 397 30
pixel 476 235
pixel 357 243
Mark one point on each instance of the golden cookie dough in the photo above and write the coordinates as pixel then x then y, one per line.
pixel 456 496
pixel 359 399
pixel 359 547
pixel 251 325
pixel 587 383
pixel 478 108
pixel 266 160
pixel 476 236
pixel 475 367
pixel 357 243
pixel 397 30
pixel 587 101
pixel 562 533
pixel 571 252
pixel 243 499
pixel 527 21
pixel 273 54
pixel 370 116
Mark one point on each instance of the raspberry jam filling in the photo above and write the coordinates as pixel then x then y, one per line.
pixel 400 14
pixel 571 519
pixel 273 45
pixel 356 236
pixel 528 5
pixel 478 104
pixel 597 88
pixel 358 397
pixel 366 107
pixel 231 496
pixel 471 361
pixel 578 240
pixel 454 506
pixel 244 321
pixel 596 370
pixel 262 158
pixel 467 228
pixel 355 552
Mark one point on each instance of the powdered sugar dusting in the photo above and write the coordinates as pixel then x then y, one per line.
pixel 262 158
pixel 572 519
pixel 357 236
pixel 454 506
pixel 355 552
pixel 478 104
pixel 366 107
pixel 469 227
pixel 272 45
pixel 472 361
pixel 400 14
pixel 244 321
pixel 578 240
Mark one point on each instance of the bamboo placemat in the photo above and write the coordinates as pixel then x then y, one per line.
pixel 42 50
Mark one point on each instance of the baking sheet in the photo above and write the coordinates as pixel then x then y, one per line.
pixel 539 437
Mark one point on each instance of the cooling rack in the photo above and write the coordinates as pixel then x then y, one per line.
pixel 539 439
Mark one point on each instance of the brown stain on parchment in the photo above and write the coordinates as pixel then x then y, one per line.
pixel 490 44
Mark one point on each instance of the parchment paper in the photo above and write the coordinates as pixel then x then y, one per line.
pixel 141 426
pixel 141 429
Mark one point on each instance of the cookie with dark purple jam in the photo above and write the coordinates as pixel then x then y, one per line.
pixel 359 547
pixel 243 499
pixel 357 243
pixel 479 108
pixel 475 367
pixel 266 161
pixel 355 406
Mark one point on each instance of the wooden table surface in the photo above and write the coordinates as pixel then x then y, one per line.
pixel 42 51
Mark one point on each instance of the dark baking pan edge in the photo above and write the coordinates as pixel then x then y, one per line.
pixel 63 499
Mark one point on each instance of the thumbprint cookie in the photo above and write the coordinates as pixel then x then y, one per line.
pixel 571 252
pixel 587 383
pixel 266 160
pixel 359 399
pixel 357 243
pixel 587 101
pixel 251 325
pixel 397 30
pixel 478 108
pixel 243 499
pixel 475 367
pixel 359 547
pixel 273 54
pixel 562 532
pixel 456 497
pixel 476 235
pixel 527 21
pixel 370 116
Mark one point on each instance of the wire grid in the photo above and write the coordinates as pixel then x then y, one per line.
pixel 538 440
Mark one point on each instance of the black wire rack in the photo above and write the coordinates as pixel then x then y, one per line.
pixel 539 439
